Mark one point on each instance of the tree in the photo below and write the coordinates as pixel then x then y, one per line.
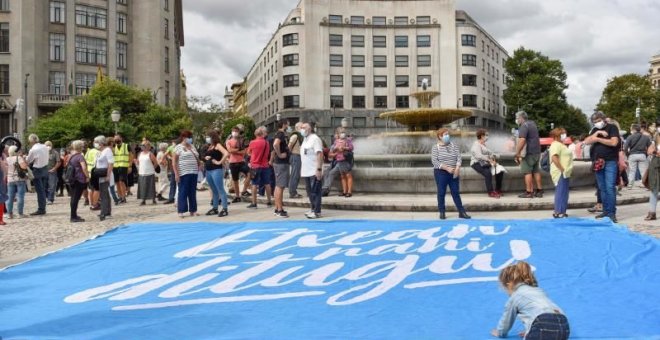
pixel 206 115
pixel 574 121
pixel 536 85
pixel 620 99
pixel 245 120
pixel 89 116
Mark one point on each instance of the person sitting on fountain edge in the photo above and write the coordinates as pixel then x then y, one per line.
pixel 483 161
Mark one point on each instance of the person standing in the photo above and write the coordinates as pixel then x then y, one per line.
pixel 215 159
pixel 342 152
pixel 235 147
pixel 92 197
pixel 653 174
pixel 561 168
pixel 54 164
pixel 169 155
pixel 16 182
pixel 103 169
pixel 605 152
pixel 259 152
pixel 162 176
pixel 295 141
pixel 281 159
pixel 483 162
pixel 446 159
pixel 186 168
pixel 311 154
pixel 38 158
pixel 80 175
pixel 3 186
pixel 636 147
pixel 529 143
pixel 146 164
pixel 123 167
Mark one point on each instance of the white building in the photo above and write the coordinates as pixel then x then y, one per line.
pixel 654 71
pixel 353 59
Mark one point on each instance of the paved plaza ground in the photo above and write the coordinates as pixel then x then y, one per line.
pixel 23 239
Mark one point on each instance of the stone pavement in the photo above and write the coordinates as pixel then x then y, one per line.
pixel 23 239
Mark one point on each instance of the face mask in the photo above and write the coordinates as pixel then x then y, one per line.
pixel 518 121
pixel 49 148
pixel 342 136
pixel 600 125
pixel 234 134
pixel 189 140
pixel 563 136
pixel 208 140
pixel 446 139
pixel 658 130
pixel 303 133
pixel 289 129
pixel 96 145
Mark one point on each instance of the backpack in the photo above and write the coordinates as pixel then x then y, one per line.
pixel 544 162
pixel 69 175
pixel 20 172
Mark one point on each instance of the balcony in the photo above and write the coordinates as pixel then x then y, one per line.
pixel 54 100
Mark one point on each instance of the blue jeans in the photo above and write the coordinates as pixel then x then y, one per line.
pixel 442 180
pixel 40 183
pixel 313 187
pixel 294 180
pixel 52 185
pixel 606 179
pixel 172 186
pixel 550 327
pixel 15 189
pixel 561 195
pixel 215 179
pixel 187 199
pixel 113 193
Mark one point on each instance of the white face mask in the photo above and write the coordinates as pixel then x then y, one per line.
pixel 208 140
pixel 234 134
pixel 600 125
pixel 562 137
pixel 342 135
pixel 97 145
pixel 303 133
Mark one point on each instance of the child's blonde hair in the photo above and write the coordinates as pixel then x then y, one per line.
pixel 520 272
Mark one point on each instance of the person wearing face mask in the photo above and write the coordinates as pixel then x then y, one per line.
pixel 295 141
pixel 446 159
pixel 482 160
pixel 561 168
pixel 54 163
pixel 123 167
pixel 186 168
pixel 103 168
pixel 237 164
pixel 342 151
pixel 529 144
pixel 38 158
pixel 146 164
pixel 652 175
pixel 311 154
pixel 605 141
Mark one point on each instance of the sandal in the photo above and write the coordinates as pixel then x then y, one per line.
pixel 348 195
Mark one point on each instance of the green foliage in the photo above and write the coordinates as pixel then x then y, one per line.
pixel 245 120
pixel 574 121
pixel 89 116
pixel 619 99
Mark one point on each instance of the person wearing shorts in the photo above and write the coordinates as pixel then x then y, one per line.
pixel 529 141
pixel 259 152
pixel 281 156
pixel 237 163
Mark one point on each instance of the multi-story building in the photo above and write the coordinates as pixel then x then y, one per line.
pixel 52 51
pixel 350 60
pixel 654 71
pixel 239 91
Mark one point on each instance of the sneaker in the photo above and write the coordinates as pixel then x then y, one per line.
pixel 269 204
pixel 169 202
pixel 526 195
pixel 276 212
pixel 601 215
pixel 246 194
pixel 77 220
pixel 296 196
pixel 282 214
pixel 312 216
pixel 595 209
pixel 613 218
pixel 212 212
pixel 236 200
pixel 539 194
pixel 325 192
pixel 252 205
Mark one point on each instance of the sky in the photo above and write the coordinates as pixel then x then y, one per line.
pixel 594 39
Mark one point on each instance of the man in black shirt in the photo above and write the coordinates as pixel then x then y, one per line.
pixel 605 141
pixel 280 160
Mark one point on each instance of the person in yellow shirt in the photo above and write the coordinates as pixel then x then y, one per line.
pixel 561 168
pixel 92 197
pixel 122 167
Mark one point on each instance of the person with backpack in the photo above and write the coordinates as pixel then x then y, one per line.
pixel 17 176
pixel 561 168
pixel 75 176
pixel 295 141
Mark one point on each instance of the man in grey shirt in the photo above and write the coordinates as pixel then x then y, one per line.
pixel 636 147
pixel 529 141
pixel 54 163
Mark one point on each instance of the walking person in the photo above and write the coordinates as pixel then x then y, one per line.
pixel 528 153
pixel 280 159
pixel 146 164
pixel 215 159
pixel 103 169
pixel 311 154
pixel 636 147
pixel 446 159
pixel 259 152
pixel 80 176
pixel 16 182
pixel 295 141
pixel 186 168
pixel 483 161
pixel 38 158
pixel 54 164
pixel 163 176
pixel 561 168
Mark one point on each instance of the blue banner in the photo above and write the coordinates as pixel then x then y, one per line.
pixel 331 280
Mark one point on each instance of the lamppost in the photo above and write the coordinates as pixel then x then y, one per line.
pixel 638 110
pixel 25 103
pixel 115 116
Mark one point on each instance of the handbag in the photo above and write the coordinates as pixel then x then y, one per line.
pixel 598 165
pixel 484 164
pixel 100 172
pixel 20 172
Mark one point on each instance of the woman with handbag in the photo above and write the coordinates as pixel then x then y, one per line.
pixel 103 170
pixel 16 181
pixel 147 165
pixel 482 161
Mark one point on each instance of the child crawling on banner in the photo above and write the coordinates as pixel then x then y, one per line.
pixel 541 317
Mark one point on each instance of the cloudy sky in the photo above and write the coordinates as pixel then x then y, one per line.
pixel 595 39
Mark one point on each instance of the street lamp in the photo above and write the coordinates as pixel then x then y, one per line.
pixel 115 116
pixel 25 103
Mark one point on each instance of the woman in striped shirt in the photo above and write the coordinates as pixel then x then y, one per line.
pixel 446 159
pixel 186 167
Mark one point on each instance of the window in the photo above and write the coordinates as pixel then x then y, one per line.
pixel 359 102
pixel 357 20
pixel 290 59
pixel 90 50
pixel 57 82
pixel 402 102
pixel 469 100
pixel 336 40
pixel 122 51
pixel 357 40
pixel 167 92
pixel 401 61
pixel 166 28
pixel 335 19
pixel 424 60
pixel 84 82
pixel 425 20
pixel 469 80
pixel 469 40
pixel 123 2
pixel 378 20
pixel 57 12
pixel 358 81
pixel 291 80
pixel 122 78
pixel 57 46
pixel 121 23
pixel 420 78
pixel 380 102
pixel 423 41
pixel 166 5
pixel 402 81
pixel 401 21
pixel 380 61
pixel 4 79
pixel 469 60
pixel 4 37
pixel 357 61
pixel 380 81
pixel 4 5
pixel 360 122
pixel 336 60
pixel 337 102
pixel 290 39
pixel 401 41
pixel 336 81
pixel 380 41
pixel 167 59
pixel 91 16
pixel 336 121
pixel 291 102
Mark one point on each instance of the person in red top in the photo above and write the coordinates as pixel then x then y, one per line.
pixel 259 151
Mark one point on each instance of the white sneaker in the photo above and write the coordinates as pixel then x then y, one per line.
pixel 313 216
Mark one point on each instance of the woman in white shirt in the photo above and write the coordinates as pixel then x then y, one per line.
pixel 103 170
pixel 15 183
pixel 147 163
pixel 163 180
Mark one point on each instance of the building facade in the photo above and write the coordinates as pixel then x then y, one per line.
pixel 654 71
pixel 53 50
pixel 239 91
pixel 350 60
